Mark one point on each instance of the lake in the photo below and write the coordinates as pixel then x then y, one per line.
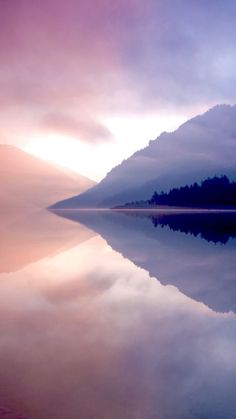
pixel 117 315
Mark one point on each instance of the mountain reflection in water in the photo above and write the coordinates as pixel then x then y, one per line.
pixel 86 333
pixel 216 227
pixel 201 263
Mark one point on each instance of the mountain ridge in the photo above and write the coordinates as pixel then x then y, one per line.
pixel 203 146
pixel 27 180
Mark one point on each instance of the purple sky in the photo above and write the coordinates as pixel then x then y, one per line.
pixel 77 69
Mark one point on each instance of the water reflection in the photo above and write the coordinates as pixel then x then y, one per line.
pixel 202 269
pixel 216 227
pixel 28 235
pixel 85 333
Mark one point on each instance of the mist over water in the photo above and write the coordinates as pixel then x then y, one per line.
pixel 118 316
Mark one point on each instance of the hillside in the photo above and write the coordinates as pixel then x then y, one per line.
pixel 203 147
pixel 27 181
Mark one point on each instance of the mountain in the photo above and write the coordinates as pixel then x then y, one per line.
pixel 204 146
pixel 27 181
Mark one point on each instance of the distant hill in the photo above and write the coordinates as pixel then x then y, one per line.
pixel 203 147
pixel 27 181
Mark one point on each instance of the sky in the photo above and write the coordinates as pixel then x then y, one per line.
pixel 87 83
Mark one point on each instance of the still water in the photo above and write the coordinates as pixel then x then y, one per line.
pixel 109 315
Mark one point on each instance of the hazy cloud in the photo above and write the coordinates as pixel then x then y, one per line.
pixel 108 58
pixel 85 129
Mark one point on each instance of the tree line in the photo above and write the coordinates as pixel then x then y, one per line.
pixel 214 192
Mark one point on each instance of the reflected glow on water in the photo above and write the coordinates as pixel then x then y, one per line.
pixel 86 333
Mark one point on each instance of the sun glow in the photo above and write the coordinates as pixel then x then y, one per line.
pixel 64 151
pixel 95 160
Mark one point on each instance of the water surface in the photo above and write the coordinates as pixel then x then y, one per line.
pixel 112 316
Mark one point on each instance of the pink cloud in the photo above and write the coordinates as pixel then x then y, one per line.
pixel 108 57
pixel 85 129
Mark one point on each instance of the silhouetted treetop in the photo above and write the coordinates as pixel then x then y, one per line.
pixel 214 192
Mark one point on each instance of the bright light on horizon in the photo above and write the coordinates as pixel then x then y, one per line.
pixel 95 160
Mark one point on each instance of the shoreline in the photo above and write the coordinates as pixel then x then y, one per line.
pixel 153 209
